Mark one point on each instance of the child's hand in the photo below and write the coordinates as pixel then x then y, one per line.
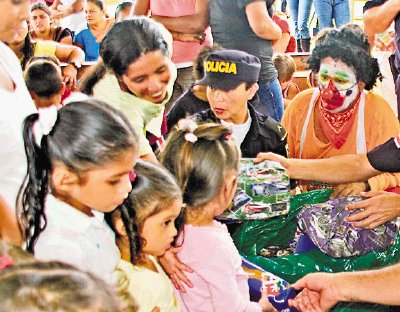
pixel 174 268
pixel 265 304
pixel 156 309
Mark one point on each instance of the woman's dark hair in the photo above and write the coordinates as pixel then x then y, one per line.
pixel 41 6
pixel 123 44
pixel 153 190
pixel 27 50
pixel 98 3
pixel 86 135
pixel 352 48
pixel 121 7
pixel 55 286
pixel 200 167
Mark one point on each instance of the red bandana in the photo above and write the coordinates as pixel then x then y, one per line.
pixel 337 126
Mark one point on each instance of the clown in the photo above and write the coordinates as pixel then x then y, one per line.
pixel 341 116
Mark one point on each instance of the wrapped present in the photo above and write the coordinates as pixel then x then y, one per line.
pixel 324 224
pixel 263 192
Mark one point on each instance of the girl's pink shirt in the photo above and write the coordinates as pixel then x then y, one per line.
pixel 219 282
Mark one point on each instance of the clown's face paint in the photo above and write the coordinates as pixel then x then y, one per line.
pixel 338 84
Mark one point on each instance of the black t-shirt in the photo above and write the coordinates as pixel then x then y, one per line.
pixel 231 29
pixel 186 105
pixel 386 157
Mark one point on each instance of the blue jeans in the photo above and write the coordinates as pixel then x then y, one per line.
pixel 270 100
pixel 332 9
pixel 300 13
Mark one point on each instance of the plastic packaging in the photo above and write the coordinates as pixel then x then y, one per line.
pixel 251 236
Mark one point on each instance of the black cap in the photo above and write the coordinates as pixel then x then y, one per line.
pixel 227 69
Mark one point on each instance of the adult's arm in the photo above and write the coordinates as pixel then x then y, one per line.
pixel 141 7
pixel 280 45
pixel 324 290
pixel 378 18
pixel 260 21
pixel 339 169
pixel 191 24
pixel 9 230
pixel 59 10
pixel 69 54
pixel 66 40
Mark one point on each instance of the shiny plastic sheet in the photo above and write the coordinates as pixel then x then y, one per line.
pixel 252 236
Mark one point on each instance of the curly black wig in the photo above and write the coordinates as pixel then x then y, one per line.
pixel 352 48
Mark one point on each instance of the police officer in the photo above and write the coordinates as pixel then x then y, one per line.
pixel 231 79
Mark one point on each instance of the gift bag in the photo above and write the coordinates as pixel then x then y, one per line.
pixel 324 224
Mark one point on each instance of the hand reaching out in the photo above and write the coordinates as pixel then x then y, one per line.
pixel 271 156
pixel 319 293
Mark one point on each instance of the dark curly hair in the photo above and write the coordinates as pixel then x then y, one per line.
pixel 352 48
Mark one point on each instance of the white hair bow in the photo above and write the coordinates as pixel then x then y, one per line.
pixel 189 126
pixel 45 123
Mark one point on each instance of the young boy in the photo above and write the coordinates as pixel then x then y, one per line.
pixel 44 81
pixel 194 99
pixel 286 66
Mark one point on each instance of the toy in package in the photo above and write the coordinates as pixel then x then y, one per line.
pixel 279 292
pixel 263 192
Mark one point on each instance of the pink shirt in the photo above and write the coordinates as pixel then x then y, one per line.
pixel 220 283
pixel 184 52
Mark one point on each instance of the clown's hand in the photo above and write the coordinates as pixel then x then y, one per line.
pixel 378 208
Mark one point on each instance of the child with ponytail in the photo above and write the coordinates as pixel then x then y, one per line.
pixel 79 162
pixel 205 162
pixel 145 226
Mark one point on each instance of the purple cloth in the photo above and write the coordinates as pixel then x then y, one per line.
pixel 304 244
pixel 324 224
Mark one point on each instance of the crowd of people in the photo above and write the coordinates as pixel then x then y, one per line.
pixel 110 180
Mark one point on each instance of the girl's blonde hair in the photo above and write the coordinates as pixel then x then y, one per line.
pixel 285 65
pixel 200 156
pixel 55 286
